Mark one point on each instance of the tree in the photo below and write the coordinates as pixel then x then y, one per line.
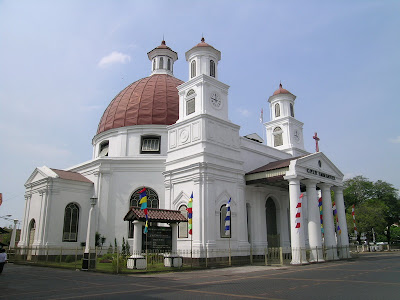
pixel 377 206
pixel 357 190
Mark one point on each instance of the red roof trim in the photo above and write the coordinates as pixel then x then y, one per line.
pixel 69 175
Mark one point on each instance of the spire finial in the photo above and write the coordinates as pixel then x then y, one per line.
pixel 202 37
pixel 163 40
pixel 280 84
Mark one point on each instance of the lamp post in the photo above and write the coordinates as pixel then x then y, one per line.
pixel 86 255
pixel 13 234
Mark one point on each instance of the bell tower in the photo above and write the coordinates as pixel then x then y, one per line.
pixel 204 152
pixel 284 132
pixel 203 93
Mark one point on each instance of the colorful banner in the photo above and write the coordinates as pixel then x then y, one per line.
pixel 228 219
pixel 143 202
pixel 190 213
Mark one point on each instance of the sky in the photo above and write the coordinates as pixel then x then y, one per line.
pixel 62 62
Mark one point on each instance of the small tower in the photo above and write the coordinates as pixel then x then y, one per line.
pixel 203 93
pixel 162 59
pixel 204 153
pixel 284 132
pixel 203 59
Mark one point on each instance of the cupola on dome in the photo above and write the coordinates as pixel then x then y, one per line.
pixel 151 100
pixel 281 91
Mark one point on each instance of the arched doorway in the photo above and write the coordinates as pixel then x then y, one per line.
pixel 273 237
pixel 152 202
pixel 31 238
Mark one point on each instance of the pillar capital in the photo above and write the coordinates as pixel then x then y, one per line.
pixel 293 179
pixel 310 182
pixel 324 185
pixel 338 189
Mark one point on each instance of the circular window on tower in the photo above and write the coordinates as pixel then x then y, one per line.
pixel 319 164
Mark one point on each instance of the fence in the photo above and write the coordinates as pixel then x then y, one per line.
pixel 104 260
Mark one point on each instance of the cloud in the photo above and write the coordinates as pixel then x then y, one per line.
pixel 244 112
pixel 114 58
pixel 395 140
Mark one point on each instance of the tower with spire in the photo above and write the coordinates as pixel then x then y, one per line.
pixel 284 131
pixel 204 151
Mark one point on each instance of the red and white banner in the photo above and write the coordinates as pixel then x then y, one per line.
pixel 354 219
pixel 298 213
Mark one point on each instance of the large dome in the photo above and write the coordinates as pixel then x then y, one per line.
pixel 151 100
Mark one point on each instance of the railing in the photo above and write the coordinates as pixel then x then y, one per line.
pixel 102 259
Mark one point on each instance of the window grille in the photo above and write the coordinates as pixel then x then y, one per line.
pixel 71 219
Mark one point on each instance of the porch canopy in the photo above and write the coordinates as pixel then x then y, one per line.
pixel 155 215
pixel 270 174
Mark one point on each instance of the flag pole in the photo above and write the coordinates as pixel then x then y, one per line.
pixel 191 251
pixel 230 258
pixel 146 253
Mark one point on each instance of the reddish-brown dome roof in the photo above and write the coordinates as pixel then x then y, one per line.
pixel 151 100
pixel 281 91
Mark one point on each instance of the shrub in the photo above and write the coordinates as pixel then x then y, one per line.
pixel 107 256
pixel 69 259
pixel 117 267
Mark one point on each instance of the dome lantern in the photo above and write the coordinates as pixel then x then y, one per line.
pixel 162 59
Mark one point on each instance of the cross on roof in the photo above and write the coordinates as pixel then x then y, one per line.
pixel 316 138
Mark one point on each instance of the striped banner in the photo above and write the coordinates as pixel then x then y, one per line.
pixel 320 215
pixel 338 230
pixel 228 218
pixel 354 219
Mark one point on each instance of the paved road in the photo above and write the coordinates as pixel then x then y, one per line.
pixel 371 276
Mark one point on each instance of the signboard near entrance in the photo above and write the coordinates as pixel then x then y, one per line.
pixel 158 239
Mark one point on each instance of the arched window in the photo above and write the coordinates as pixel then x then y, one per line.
pixel 152 198
pixel 31 236
pixel 103 150
pixel 212 68
pixel 222 215
pixel 161 63
pixel 277 110
pixel 169 64
pixel 190 102
pixel 71 219
pixel 272 225
pixel 278 140
pixel 154 64
pixel 291 110
pixel 193 69
pixel 183 226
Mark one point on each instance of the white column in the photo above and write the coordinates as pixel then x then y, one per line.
pixel 241 223
pixel 174 227
pixel 314 227
pixel 297 234
pixel 13 234
pixel 90 241
pixel 137 238
pixel 329 227
pixel 344 237
pixel 23 237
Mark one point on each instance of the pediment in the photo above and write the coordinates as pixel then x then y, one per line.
pixel 40 173
pixel 316 166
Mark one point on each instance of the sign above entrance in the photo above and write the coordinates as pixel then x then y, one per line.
pixel 315 172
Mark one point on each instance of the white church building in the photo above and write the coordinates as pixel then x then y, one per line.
pixel 175 138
